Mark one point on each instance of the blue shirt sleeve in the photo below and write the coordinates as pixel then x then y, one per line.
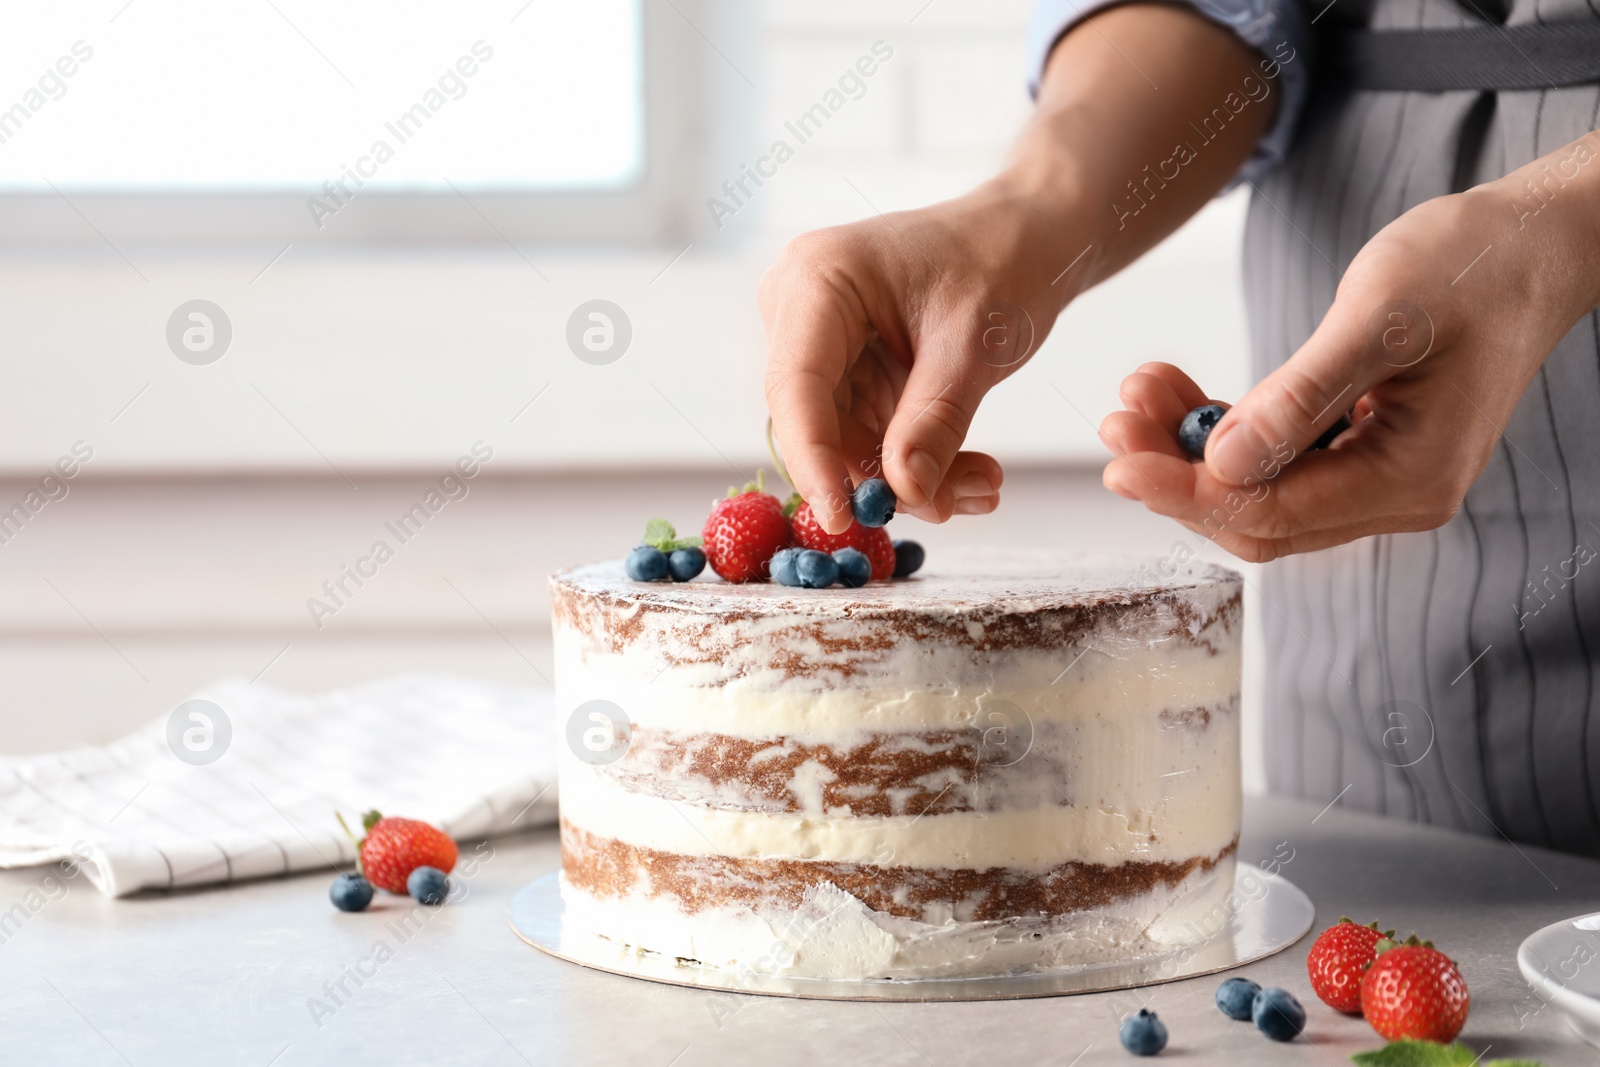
pixel 1278 29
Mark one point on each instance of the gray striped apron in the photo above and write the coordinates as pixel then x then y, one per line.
pixel 1448 677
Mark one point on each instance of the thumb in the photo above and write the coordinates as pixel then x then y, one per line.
pixel 1358 344
pixel 930 423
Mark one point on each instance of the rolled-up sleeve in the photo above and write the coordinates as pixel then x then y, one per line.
pixel 1278 29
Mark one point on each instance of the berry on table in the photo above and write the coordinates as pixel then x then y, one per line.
pixel 1338 958
pixel 744 531
pixel 1412 990
pixel 685 564
pixel 855 569
pixel 1196 427
pixel 427 885
pixel 908 557
pixel 1143 1034
pixel 873 542
pixel 1236 997
pixel 393 848
pixel 873 502
pixel 1278 1014
pixel 817 570
pixel 782 566
pixel 350 892
pixel 646 564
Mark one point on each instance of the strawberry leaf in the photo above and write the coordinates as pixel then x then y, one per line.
pixel 792 505
pixel 1417 1054
pixel 371 819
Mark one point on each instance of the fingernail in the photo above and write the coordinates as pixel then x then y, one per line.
pixel 975 505
pixel 1235 452
pixel 924 471
pixel 975 483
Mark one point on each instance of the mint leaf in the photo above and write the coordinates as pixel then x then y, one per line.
pixel 689 542
pixel 1513 1063
pixel 659 533
pixel 1417 1054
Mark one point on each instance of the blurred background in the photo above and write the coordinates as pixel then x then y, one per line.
pixel 270 269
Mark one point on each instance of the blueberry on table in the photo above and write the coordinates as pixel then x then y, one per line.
pixel 646 564
pixel 908 557
pixel 817 570
pixel 1196 427
pixel 1143 1034
pixel 350 892
pixel 685 564
pixel 1278 1014
pixel 427 885
pixel 873 502
pixel 782 566
pixel 855 569
pixel 1236 997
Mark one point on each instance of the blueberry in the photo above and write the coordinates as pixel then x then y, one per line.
pixel 855 569
pixel 350 892
pixel 685 564
pixel 873 502
pixel 782 566
pixel 817 570
pixel 1143 1034
pixel 427 885
pixel 908 557
pixel 1277 1014
pixel 646 564
pixel 1235 997
pixel 1196 427
pixel 1330 433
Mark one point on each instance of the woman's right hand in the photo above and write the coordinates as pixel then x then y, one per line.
pixel 884 335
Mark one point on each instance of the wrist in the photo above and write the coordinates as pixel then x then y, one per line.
pixel 1549 211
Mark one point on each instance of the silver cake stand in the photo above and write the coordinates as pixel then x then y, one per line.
pixel 1272 915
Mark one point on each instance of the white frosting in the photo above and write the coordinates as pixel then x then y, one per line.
pixel 833 935
pixel 1125 682
pixel 1195 813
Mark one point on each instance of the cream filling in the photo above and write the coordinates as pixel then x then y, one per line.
pixel 1155 822
pixel 834 935
pixel 1045 686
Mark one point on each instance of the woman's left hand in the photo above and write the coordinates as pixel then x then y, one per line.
pixel 1436 329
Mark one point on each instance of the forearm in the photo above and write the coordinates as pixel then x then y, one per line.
pixel 1145 111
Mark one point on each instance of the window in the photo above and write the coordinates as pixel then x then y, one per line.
pixel 193 122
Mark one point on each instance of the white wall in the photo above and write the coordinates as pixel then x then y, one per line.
pixel 153 577
pixel 396 358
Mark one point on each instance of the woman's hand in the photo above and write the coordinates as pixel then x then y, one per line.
pixel 884 335
pixel 1437 327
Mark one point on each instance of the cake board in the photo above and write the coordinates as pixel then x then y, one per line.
pixel 1266 924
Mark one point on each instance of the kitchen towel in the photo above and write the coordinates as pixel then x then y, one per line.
pixel 243 781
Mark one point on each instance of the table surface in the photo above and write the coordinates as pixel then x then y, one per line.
pixel 251 974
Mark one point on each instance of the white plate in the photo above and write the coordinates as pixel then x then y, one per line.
pixel 1265 924
pixel 1562 963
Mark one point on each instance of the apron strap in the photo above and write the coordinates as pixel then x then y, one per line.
pixel 1544 56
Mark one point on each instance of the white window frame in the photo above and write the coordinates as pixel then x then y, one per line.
pixel 662 207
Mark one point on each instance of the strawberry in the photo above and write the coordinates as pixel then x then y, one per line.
pixel 873 541
pixel 1413 991
pixel 744 532
pixel 393 848
pixel 1338 957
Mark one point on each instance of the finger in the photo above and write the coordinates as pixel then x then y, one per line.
pixel 1154 398
pixel 971 487
pixel 930 423
pixel 1189 394
pixel 810 339
pixel 1127 432
pixel 1291 407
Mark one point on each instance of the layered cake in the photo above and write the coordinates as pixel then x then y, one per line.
pixel 1001 765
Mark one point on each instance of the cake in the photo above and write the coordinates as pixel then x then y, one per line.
pixel 1004 765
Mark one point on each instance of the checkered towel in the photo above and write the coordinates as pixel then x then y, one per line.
pixel 200 798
